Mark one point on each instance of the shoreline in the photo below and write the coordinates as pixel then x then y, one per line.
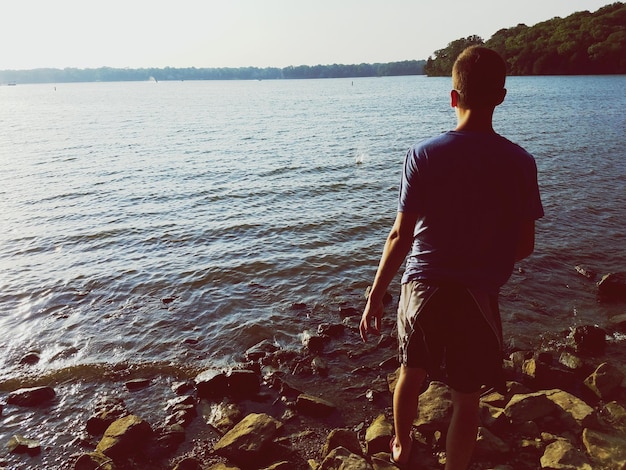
pixel 310 396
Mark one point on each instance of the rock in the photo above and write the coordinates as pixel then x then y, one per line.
pixel 544 376
pixel 284 465
pixel 124 436
pixel 614 415
pixel 562 454
pixel 180 400
pixel 612 286
pixel 222 416
pixel 243 383
pixel 435 408
pixel 314 406
pixel 218 466
pixel 342 459
pixel 586 272
pixel 94 461
pixel 610 450
pixel 168 439
pixel 248 438
pixel 493 418
pixel 574 408
pixel 528 407
pixel 319 366
pixel 182 388
pixel 378 435
pixel 571 361
pixel 34 396
pixel 261 350
pixel 490 445
pixel 106 411
pixel 21 445
pixel 30 358
pixel 211 383
pixel 137 384
pixel 589 339
pixel 313 343
pixel 342 438
pixel 334 330
pixel 605 380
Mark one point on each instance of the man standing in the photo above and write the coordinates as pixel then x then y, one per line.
pixel 466 212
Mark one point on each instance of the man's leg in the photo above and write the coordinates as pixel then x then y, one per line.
pixel 405 400
pixel 462 430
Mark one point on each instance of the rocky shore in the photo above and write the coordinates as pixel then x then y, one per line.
pixel 283 410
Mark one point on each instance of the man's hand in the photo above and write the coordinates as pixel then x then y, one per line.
pixel 371 318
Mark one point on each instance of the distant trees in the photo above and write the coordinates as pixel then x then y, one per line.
pixel 582 43
pixel 108 74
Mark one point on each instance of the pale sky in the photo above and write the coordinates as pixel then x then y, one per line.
pixel 261 33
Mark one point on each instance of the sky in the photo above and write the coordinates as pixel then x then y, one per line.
pixel 259 33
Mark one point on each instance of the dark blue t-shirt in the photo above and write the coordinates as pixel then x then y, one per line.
pixel 471 191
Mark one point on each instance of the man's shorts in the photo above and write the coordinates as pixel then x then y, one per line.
pixel 442 329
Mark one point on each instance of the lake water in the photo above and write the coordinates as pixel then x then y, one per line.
pixel 172 225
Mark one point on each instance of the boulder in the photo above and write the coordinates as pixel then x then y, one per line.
pixel 22 445
pixel 342 438
pixel 125 436
pixel 435 408
pixel 190 463
pixel 489 445
pixel 562 454
pixel 314 406
pixel 610 450
pixel 137 384
pixel 573 407
pixel 243 383
pixel 212 383
pixel 528 407
pixel 94 461
pixel 248 438
pixel 221 416
pixel 589 339
pixel 342 459
pixel 378 435
pixel 612 286
pixel 30 358
pixel 106 411
pixel 614 415
pixel 545 376
pixel 34 396
pixel 261 350
pixel 605 380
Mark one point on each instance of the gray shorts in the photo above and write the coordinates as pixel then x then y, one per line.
pixel 453 333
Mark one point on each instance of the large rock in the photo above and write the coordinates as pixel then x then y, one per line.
pixel 342 459
pixel 589 339
pixel 314 406
pixel 94 461
pixel 248 438
pixel 435 408
pixel 605 380
pixel 574 408
pixel 563 455
pixel 22 445
pixel 490 445
pixel 211 383
pixel 124 437
pixel 378 435
pixel 342 438
pixel 612 286
pixel 34 396
pixel 610 450
pixel 529 407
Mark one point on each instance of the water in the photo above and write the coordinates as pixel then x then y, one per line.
pixel 165 227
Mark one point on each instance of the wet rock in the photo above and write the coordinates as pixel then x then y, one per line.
pixel 528 407
pixel 248 438
pixel 137 384
pixel 190 463
pixel 488 444
pixel 34 396
pixel 435 408
pixel 221 416
pixel 574 408
pixel 589 339
pixel 332 330
pixel 341 438
pixel 211 383
pixel 342 458
pixel 544 376
pixel 106 411
pixel 346 312
pixel 612 286
pixel 571 361
pixel 30 358
pixel 169 438
pixel 314 406
pixel 94 461
pixel 298 306
pixel 243 383
pixel 614 415
pixel 378 435
pixel 314 343
pixel 260 350
pixel 182 388
pixel 586 272
pixel 319 366
pixel 605 380
pixel 609 450
pixel 562 454
pixel 124 437
pixel 19 444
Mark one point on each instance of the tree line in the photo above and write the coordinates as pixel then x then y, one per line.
pixel 109 74
pixel 583 43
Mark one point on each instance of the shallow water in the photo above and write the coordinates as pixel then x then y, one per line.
pixel 163 227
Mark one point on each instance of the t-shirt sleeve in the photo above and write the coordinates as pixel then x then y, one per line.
pixel 409 194
pixel 534 207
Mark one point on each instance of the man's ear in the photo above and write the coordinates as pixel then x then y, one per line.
pixel 454 98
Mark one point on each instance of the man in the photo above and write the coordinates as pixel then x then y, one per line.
pixel 467 208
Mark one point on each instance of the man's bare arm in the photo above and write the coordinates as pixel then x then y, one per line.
pixel 526 240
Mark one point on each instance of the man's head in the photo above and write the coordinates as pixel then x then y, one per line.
pixel 478 76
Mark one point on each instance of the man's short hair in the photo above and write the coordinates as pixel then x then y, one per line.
pixel 478 75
